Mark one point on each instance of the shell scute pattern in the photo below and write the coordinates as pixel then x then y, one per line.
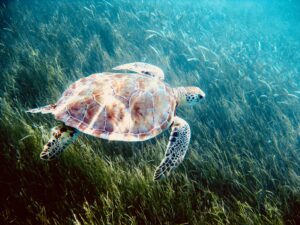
pixel 127 107
pixel 141 107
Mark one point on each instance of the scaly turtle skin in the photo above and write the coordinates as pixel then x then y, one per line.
pixel 123 107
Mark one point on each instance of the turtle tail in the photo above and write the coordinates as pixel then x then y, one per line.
pixel 43 109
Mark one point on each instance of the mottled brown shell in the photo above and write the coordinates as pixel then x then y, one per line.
pixel 117 106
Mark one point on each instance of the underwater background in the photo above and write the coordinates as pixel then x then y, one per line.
pixel 243 163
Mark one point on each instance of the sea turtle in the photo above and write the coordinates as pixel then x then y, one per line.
pixel 123 107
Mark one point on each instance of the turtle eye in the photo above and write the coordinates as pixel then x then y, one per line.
pixel 200 96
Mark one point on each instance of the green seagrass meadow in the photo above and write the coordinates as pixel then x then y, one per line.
pixel 242 166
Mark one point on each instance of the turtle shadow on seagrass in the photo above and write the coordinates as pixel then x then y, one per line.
pixel 123 107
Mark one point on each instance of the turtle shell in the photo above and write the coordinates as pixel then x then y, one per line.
pixel 117 106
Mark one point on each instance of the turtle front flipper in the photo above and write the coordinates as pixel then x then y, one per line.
pixel 61 137
pixel 176 149
pixel 143 68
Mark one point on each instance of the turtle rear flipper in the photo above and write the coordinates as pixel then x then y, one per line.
pixel 61 137
pixel 43 109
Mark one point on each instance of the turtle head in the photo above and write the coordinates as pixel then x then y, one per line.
pixel 189 95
